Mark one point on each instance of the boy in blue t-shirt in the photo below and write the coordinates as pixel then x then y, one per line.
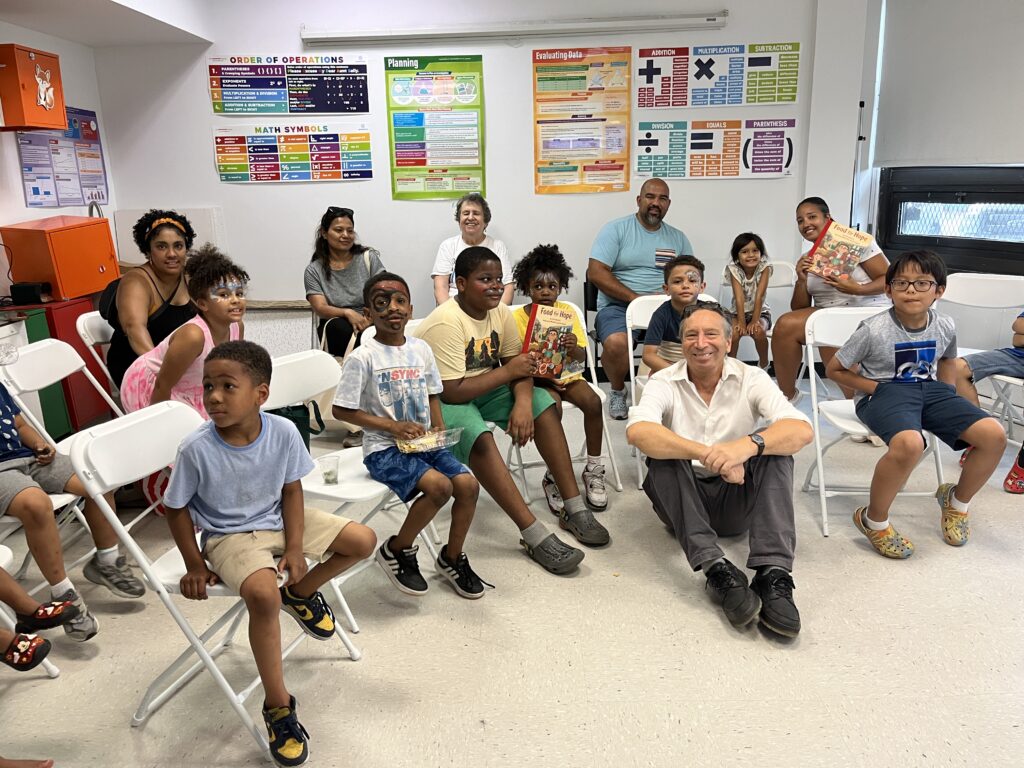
pixel 684 281
pixel 389 386
pixel 906 368
pixel 238 478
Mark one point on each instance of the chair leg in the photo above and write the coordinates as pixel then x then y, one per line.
pixel 611 454
pixel 433 533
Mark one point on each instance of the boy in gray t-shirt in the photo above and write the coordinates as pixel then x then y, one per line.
pixel 904 362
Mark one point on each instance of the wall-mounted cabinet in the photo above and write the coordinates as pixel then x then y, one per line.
pixel 31 95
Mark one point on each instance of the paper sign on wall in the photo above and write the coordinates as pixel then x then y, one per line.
pixel 60 168
pixel 289 85
pixel 277 152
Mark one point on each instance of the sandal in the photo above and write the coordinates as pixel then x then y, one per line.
pixel 26 652
pixel 47 616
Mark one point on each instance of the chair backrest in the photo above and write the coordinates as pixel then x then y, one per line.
pixel 640 310
pixel 833 326
pixel 783 274
pixel 983 306
pixel 95 332
pixel 301 376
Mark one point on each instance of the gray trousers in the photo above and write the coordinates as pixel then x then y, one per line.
pixel 698 510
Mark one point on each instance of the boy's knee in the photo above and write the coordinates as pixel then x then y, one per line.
pixel 989 433
pixel 362 541
pixel 437 487
pixel 260 592
pixel 907 445
pixel 466 486
pixel 32 506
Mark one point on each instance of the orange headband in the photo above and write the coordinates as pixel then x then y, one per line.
pixel 173 222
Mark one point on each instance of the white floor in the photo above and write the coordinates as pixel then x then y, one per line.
pixel 625 663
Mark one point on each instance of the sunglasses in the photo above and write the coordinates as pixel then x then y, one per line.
pixel 714 306
pixel 335 211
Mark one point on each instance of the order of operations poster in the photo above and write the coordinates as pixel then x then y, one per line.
pixel 435 126
pixel 581 112
pixel 61 168
pixel 288 85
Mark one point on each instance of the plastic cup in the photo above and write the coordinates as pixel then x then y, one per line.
pixel 328 469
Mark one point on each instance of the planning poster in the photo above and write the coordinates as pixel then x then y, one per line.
pixel 581 112
pixel 717 75
pixel 435 126
pixel 715 149
pixel 61 168
pixel 288 85
pixel 269 153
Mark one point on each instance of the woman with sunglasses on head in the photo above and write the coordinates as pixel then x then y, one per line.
pixel 335 277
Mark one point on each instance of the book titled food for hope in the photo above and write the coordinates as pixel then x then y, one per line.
pixel 838 250
pixel 544 340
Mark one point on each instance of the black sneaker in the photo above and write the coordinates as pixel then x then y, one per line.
pixel 402 569
pixel 778 611
pixel 728 585
pixel 289 742
pixel 312 613
pixel 461 575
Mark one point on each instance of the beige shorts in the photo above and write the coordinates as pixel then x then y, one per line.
pixel 236 556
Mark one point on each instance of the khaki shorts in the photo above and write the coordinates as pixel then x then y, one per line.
pixel 236 556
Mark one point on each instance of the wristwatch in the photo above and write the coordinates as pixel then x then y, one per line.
pixel 758 441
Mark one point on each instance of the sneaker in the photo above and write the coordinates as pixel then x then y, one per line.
pixel 584 526
pixel 84 626
pixel 289 742
pixel 729 588
pixel 554 556
pixel 118 578
pixel 875 440
pixel 595 490
pixel 402 569
pixel 1014 482
pixel 312 613
pixel 46 616
pixel 352 440
pixel 955 527
pixel 778 611
pixel 552 494
pixel 796 398
pixel 963 457
pixel 618 408
pixel 462 577
pixel 888 543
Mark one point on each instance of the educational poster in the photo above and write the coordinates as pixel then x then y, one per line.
pixel 717 75
pixel 435 126
pixel 581 112
pixel 715 149
pixel 270 153
pixel 60 168
pixel 288 85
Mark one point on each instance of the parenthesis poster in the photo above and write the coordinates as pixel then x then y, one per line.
pixel 435 126
pixel 61 168
pixel 269 152
pixel 581 112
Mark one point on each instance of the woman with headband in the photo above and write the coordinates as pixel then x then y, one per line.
pixel 151 300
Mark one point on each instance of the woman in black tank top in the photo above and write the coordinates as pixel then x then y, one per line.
pixel 165 238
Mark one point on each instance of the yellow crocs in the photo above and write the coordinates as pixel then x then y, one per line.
pixel 888 543
pixel 955 527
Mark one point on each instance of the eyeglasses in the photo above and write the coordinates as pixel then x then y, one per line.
pixel 335 211
pixel 919 285
pixel 713 306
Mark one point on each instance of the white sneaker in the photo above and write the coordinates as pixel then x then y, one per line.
pixel 595 490
pixel 618 408
pixel 552 494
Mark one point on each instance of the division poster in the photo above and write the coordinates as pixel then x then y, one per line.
pixel 715 149
pixel 288 85
pixel 60 168
pixel 435 126
pixel 269 153
pixel 581 112
pixel 717 75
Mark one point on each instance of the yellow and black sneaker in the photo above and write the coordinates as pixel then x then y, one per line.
pixel 312 613
pixel 289 742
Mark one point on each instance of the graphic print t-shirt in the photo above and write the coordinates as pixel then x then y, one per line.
pixel 393 382
pixel 464 347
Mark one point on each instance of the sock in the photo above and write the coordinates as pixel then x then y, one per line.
pixel 707 566
pixel 623 390
pixel 574 505
pixel 762 570
pixel 107 556
pixel 534 534
pixel 60 589
pixel 594 461
pixel 874 525
pixel 955 503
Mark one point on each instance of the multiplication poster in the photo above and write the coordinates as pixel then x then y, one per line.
pixel 581 112
pixel 61 168
pixel 269 152
pixel 288 85
pixel 435 126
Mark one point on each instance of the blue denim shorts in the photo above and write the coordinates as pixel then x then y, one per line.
pixel 931 406
pixel 612 319
pixel 402 471
pixel 995 361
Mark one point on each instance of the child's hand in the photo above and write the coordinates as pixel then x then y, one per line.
pixel 520 424
pixel 193 583
pixel 522 366
pixel 738 329
pixel 570 344
pixel 755 329
pixel 45 454
pixel 407 430
pixel 295 564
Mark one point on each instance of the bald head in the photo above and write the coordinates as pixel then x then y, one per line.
pixel 652 204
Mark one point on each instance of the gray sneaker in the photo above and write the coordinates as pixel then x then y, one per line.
pixel 618 408
pixel 554 556
pixel 118 578
pixel 84 625
pixel 595 489
pixel 584 526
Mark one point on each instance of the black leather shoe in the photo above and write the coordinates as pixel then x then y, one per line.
pixel 728 587
pixel 778 611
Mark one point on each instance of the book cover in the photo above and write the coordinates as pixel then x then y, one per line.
pixel 544 339
pixel 838 250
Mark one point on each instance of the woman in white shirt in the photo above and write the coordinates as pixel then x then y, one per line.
pixel 473 215
pixel 865 286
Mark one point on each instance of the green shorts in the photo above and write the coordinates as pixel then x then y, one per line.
pixel 495 407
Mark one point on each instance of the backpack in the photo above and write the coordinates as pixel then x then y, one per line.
pixel 107 302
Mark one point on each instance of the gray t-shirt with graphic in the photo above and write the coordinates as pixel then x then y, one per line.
pixel 886 351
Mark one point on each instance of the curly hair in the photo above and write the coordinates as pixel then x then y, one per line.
pixel 251 356
pixel 321 250
pixel 151 223
pixel 207 268
pixel 543 258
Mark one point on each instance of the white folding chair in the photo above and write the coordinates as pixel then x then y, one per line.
pixel 7 622
pixel 638 317
pixel 832 327
pixel 119 452
pixel 96 332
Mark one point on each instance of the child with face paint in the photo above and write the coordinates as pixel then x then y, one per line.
pixel 684 281
pixel 173 370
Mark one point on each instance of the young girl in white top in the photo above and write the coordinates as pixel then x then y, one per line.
pixel 748 275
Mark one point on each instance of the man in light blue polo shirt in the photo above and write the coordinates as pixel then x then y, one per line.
pixel 626 261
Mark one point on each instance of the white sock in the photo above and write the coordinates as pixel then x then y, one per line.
pixel 705 567
pixel 60 589
pixel 874 525
pixel 107 556
pixel 955 503
pixel 594 461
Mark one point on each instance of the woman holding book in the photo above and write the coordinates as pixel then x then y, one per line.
pixel 860 282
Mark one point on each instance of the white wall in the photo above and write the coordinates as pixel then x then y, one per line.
pixel 159 121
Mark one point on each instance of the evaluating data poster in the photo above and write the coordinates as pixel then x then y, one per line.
pixel 270 153
pixel 61 168
pixel 435 126
pixel 288 85
pixel 581 111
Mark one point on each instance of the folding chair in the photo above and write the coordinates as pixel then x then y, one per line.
pixel 778 293
pixel 832 327
pixel 95 332
pixel 6 559
pixel 119 452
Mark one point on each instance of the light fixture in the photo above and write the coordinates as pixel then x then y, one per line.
pixel 513 30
